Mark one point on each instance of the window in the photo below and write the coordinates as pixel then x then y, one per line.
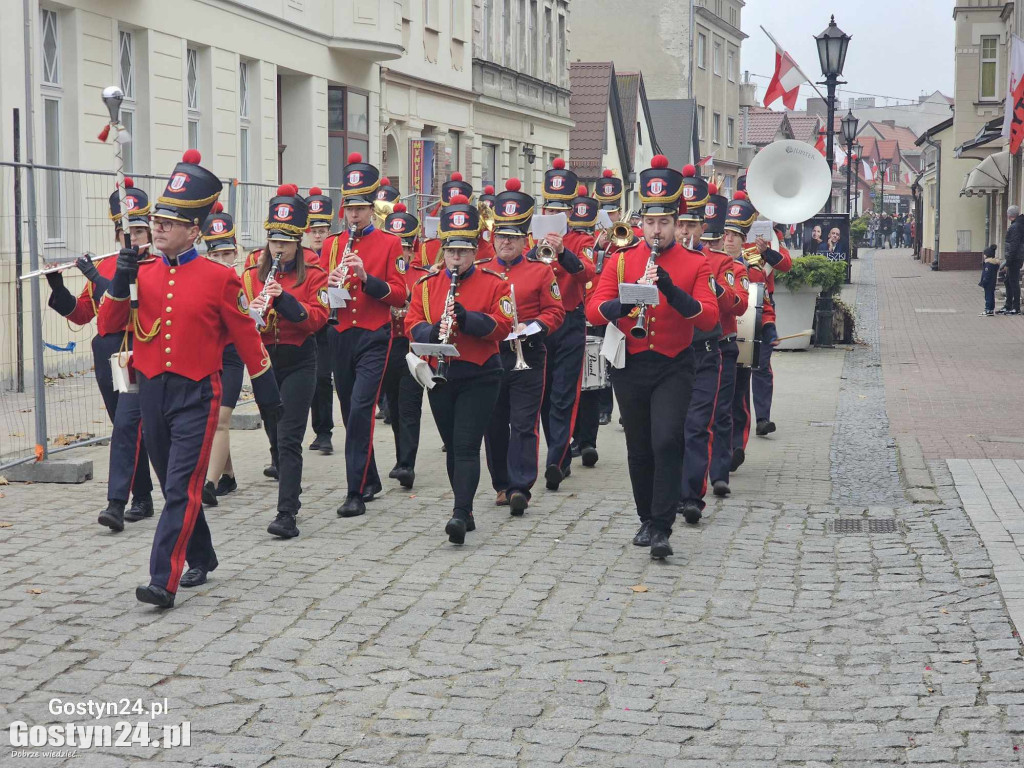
pixel 244 132
pixel 53 213
pixel 549 43
pixel 700 122
pixel 734 17
pixel 718 8
pixel 716 128
pixel 430 15
pixel 639 135
pixel 730 132
pixel 731 66
pixel 702 51
pixel 192 91
pixel 717 58
pixel 524 37
pixel 126 44
pixel 561 73
pixel 51 47
pixel 458 20
pixel 487 23
pixel 532 34
pixel 507 49
pixel 729 181
pixel 455 143
pixel 243 89
pixel 347 126
pixel 989 63
pixel 489 164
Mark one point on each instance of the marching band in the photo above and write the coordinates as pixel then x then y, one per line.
pixel 498 329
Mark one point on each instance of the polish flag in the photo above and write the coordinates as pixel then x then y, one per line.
pixel 705 160
pixel 820 143
pixel 867 171
pixel 786 80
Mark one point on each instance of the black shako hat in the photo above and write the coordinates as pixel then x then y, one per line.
pixel 695 195
pixel 219 230
pixel 359 182
pixel 559 185
pixel 287 217
pixel 660 188
pixel 134 204
pixel 714 214
pixel 513 210
pixel 402 224
pixel 608 191
pixel 460 224
pixel 583 210
pixel 190 192
pixel 740 214
pixel 320 207
pixel 455 186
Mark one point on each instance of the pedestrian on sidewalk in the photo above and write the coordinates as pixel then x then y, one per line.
pixel 989 271
pixel 1014 258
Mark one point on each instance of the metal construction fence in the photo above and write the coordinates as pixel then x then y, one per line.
pixel 72 218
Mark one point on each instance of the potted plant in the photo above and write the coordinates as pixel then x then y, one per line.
pixel 810 285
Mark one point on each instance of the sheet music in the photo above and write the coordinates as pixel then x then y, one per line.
pixel 530 329
pixel 552 224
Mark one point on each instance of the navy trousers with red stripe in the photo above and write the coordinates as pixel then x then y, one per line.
pixel 129 463
pixel 179 418
pixel 511 439
pixel 741 408
pixel 566 349
pixel 721 446
pixel 699 420
pixel 359 358
pixel 763 380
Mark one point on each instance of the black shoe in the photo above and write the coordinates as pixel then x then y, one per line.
pixel 456 530
pixel 553 477
pixel 154 595
pixel 691 512
pixel 738 457
pixel 721 488
pixel 209 494
pixel 381 414
pixel 765 427
pixel 643 536
pixel 588 456
pixel 405 477
pixel 393 474
pixel 518 503
pixel 1003 311
pixel 322 444
pixel 142 507
pixel 113 516
pixel 574 449
pixel 271 471
pixel 444 448
pixel 283 526
pixel 986 313
pixel 353 507
pixel 226 485
pixel 660 548
pixel 193 577
pixel 604 419
pixel 470 523
pixel 370 492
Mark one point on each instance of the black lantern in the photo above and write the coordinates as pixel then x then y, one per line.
pixel 849 133
pixel 832 45
pixel 883 166
pixel 850 127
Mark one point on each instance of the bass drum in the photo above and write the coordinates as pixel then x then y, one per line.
pixel 595 368
pixel 749 330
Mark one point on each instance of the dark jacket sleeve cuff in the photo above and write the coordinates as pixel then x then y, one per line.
pixel 376 288
pixel 62 301
pixel 684 303
pixel 118 287
pixel 289 308
pixel 570 262
pixel 478 324
pixel 100 285
pixel 611 309
pixel 719 290
pixel 773 257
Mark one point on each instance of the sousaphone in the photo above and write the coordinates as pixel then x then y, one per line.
pixel 789 181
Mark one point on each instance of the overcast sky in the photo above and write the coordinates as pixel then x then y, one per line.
pixel 900 48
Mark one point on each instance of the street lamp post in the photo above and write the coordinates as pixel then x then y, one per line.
pixel 883 166
pixel 849 133
pixel 857 149
pixel 832 45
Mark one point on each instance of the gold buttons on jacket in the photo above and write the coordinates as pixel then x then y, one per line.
pixel 168 309
pixel 170 282
pixel 167 322
pixel 167 336
pixel 173 271
pixel 167 364
pixel 170 295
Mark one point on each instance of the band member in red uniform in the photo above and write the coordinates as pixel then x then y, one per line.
pixel 189 308
pixel 288 288
pixel 129 462
pixel 221 246
pixel 512 439
pixel 368 267
pixel 430 250
pixel 568 344
pixel 321 214
pixel 707 356
pixel 465 305
pixel 404 394
pixel 721 441
pixel 762 380
pixel 653 388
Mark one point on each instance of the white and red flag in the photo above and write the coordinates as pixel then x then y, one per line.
pixel 786 81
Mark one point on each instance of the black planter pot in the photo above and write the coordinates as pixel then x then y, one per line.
pixel 824 312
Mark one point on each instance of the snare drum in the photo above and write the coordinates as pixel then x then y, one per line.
pixel 748 329
pixel 595 368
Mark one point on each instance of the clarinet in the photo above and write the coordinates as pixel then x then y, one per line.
pixel 639 331
pixel 332 318
pixel 275 267
pixel 441 374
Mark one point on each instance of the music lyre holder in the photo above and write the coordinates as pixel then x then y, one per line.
pixel 434 350
pixel 337 297
pixel 635 293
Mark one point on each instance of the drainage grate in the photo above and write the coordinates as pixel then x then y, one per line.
pixel 846 525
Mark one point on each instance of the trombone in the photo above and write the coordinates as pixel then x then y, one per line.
pixel 619 234
pixel 521 364
pixel 70 264
pixel 381 210
pixel 486 216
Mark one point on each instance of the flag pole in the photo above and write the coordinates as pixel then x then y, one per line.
pixel 798 68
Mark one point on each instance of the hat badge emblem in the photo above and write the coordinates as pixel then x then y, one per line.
pixel 316 206
pixel 218 226
pixel 510 208
pixel 283 212
pixel 459 220
pixel 355 177
pixel 557 182
pixel 609 189
pixel 710 210
pixel 397 225
pixel 689 192
pixel 656 187
pixel 178 182
pixel 581 209
pixel 129 203
pixel 381 193
pixel 735 210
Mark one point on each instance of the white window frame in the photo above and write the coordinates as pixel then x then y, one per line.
pixel 563 44
pixel 730 65
pixel 730 132
pixel 549 44
pixel 49 18
pixel 702 50
pixel 701 115
pixel 487 22
pixel 193 99
pixel 494 148
pixel 431 16
pixel 716 127
pixel 532 33
pixel 994 61
pixel 125 39
pixel 716 57
pixel 51 90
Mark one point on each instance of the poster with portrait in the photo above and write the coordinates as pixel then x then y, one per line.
pixel 828 234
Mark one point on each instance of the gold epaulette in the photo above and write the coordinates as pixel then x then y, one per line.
pixel 488 260
pixel 426 277
pixel 492 272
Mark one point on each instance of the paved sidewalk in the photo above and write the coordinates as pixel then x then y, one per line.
pixel 769 639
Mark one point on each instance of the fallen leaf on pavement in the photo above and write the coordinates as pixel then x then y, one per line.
pixel 638 588
pixel 801 684
pixel 3 480
pixel 944 610
pixel 5 524
pixel 35 591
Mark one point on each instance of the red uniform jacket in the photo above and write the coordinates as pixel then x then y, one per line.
pixel 722 268
pixel 741 285
pixel 187 314
pixel 537 293
pixel 669 332
pixel 382 259
pixel 574 286
pixel 311 296
pixel 486 300
pixel 757 275
pixel 86 307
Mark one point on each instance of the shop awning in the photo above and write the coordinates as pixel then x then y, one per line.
pixel 991 175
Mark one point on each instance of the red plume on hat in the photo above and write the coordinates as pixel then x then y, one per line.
pixel 608 173
pixel 489 189
pixel 558 163
pixel 712 188
pixel 459 199
pixel 741 195
pixel 400 208
pixel 689 171
pixel 315 191
pixel 192 157
pixel 355 157
pixel 385 182
pixel 581 190
pixel 287 189
pixel 513 185
pixel 456 176
pixel 128 182
pixel 218 207
pixel 659 161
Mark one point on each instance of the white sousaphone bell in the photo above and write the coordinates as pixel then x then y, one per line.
pixel 789 181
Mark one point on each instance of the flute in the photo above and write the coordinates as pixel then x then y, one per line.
pixel 70 264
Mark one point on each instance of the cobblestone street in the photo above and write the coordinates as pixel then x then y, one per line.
pixel 776 636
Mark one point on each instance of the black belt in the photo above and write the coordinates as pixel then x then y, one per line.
pixel 730 337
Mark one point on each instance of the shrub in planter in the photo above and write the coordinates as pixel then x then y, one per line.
pixel 816 270
pixel 858 228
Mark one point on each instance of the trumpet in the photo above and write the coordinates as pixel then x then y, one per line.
pixel 619 234
pixel 545 253
pixel 381 210
pixel 486 216
pixel 639 331
pixel 521 364
pixel 70 264
pixel 332 319
pixel 441 374
pixel 275 267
